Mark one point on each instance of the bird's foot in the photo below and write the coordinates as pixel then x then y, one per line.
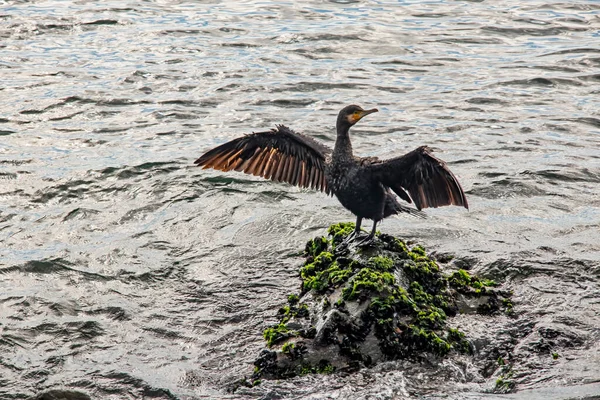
pixel 367 241
pixel 349 238
pixel 343 245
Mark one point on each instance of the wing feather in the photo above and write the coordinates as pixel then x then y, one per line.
pixel 220 162
pixel 285 169
pixel 251 169
pixel 295 172
pixel 235 164
pixel 426 178
pixel 271 164
pixel 311 179
pixel 292 172
pixel 303 175
pixel 280 154
pixel 263 162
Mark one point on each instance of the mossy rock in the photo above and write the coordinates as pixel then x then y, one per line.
pixel 362 305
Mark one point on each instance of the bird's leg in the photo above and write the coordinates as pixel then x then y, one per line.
pixel 355 232
pixel 356 227
pixel 369 239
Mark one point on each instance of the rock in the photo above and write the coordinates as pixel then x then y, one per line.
pixel 61 394
pixel 359 306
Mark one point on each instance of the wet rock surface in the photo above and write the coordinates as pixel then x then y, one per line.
pixel 61 394
pixel 360 306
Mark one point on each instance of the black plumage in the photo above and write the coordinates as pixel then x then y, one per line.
pixel 363 185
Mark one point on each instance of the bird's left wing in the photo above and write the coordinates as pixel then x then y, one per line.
pixel 280 154
pixel 426 178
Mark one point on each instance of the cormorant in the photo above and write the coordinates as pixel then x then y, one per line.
pixel 363 185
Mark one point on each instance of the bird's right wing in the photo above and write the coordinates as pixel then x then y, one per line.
pixel 425 177
pixel 280 154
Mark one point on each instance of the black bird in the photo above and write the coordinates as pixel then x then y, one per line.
pixel 363 185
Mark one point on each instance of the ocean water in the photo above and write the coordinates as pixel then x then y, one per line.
pixel 128 273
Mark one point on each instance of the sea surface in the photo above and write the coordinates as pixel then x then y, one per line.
pixel 128 273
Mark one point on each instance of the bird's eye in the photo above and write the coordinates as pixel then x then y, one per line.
pixel 356 115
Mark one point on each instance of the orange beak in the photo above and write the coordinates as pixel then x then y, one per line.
pixel 361 114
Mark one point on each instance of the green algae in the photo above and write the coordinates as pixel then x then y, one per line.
pixel 316 273
pixel 321 280
pixel 419 251
pixel 293 299
pixel 366 281
pixel 408 301
pixel 463 281
pixel 396 245
pixel 316 246
pixel 459 342
pixel 287 348
pixel 508 306
pixel 505 382
pixel 292 310
pixel 280 332
pixel 323 367
pixel 381 263
pixel 277 333
pixel 432 318
pixel 339 231
pixel 424 339
pixel 292 350
pixel 426 273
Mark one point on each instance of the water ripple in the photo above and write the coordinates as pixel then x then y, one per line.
pixel 129 273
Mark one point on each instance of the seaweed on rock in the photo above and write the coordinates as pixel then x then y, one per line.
pixel 359 306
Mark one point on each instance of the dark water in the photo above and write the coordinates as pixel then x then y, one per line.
pixel 127 273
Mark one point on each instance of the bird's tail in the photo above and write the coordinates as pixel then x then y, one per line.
pixel 393 207
pixel 412 211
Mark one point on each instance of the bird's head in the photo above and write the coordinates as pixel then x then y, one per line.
pixel 350 115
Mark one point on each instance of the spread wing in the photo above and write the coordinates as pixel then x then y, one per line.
pixel 280 154
pixel 426 178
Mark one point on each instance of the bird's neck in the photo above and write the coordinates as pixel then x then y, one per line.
pixel 343 147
